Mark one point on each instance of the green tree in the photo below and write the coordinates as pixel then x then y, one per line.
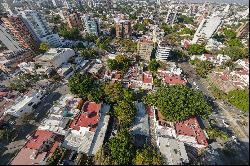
pixel 240 99
pixel 81 84
pixel 203 68
pixel 178 102
pixel 195 49
pixel 121 149
pixel 125 112
pixel 147 156
pixel 71 34
pixel 234 42
pixel 229 33
pixel 187 31
pixel 120 63
pixel 43 47
pixel 234 52
pixel 153 66
pixel 185 19
pixel 89 53
pixel 214 133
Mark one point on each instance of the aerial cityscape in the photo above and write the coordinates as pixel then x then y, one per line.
pixel 124 82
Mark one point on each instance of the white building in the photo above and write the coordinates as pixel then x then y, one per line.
pixel 163 51
pixel 206 29
pixel 91 24
pixel 8 40
pixel 23 104
pixel 54 57
pixel 40 28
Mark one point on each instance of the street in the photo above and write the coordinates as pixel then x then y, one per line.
pixel 221 112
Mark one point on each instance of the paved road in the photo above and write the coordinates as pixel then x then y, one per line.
pixel 220 110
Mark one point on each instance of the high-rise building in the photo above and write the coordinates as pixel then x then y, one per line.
pixel 8 40
pixel 74 20
pixel 172 17
pixel 21 31
pixel 40 28
pixel 145 47
pixel 91 25
pixel 123 29
pixel 163 51
pixel 206 29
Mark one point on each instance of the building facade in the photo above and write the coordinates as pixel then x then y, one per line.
pixel 21 32
pixel 145 48
pixel 163 51
pixel 40 27
pixel 74 20
pixel 91 25
pixel 123 29
pixel 8 40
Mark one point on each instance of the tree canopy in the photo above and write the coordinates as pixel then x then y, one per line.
pixel 240 99
pixel 178 102
pixel 121 63
pixel 121 149
pixel 43 47
pixel 81 84
pixel 185 19
pixel 236 52
pixel 153 66
pixel 202 68
pixel 147 156
pixel 71 34
pixel 229 33
pixel 234 42
pixel 196 49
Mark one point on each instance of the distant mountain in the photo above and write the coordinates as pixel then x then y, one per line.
pixel 244 2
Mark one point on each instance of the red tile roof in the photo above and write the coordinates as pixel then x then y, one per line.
pixel 224 77
pixel 174 79
pixel 209 56
pixel 89 117
pixel 4 94
pixel 147 78
pixel 23 157
pixel 243 72
pixel 191 127
pixel 38 139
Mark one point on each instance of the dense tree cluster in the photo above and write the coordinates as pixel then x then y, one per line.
pixel 240 99
pixel 89 53
pixel 71 34
pixel 43 47
pixel 120 63
pixel 153 66
pixel 185 19
pixel 214 133
pixel 236 52
pixel 178 102
pixel 147 156
pixel 140 27
pixel 196 49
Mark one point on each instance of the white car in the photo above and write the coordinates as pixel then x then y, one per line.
pixel 194 83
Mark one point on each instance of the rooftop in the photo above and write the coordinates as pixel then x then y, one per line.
pixel 38 139
pixel 89 117
pixel 191 127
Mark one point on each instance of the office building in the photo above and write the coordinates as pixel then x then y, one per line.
pixel 40 28
pixel 163 51
pixel 21 31
pixel 8 40
pixel 123 29
pixel 91 25
pixel 145 48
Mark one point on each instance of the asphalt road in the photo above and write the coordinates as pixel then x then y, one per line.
pixel 221 111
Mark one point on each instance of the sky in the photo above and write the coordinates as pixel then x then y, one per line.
pixel 245 2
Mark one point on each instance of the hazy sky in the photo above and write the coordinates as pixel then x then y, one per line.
pixel 246 2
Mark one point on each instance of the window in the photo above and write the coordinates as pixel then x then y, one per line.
pixel 30 104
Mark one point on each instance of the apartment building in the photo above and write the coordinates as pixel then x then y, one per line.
pixel 8 40
pixel 21 31
pixel 163 51
pixel 40 28
pixel 207 28
pixel 172 16
pixel 145 48
pixel 74 20
pixel 91 25
pixel 123 29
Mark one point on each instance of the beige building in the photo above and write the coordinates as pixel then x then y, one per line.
pixel 145 48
